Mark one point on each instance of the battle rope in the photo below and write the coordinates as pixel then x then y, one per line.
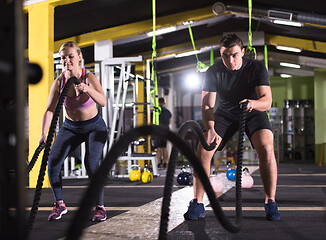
pixel 35 157
pixel 99 178
pixel 46 153
pixel 209 191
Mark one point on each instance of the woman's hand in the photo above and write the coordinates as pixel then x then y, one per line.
pixel 81 88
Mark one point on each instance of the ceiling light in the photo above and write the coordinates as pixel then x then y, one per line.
pixel 288 23
pixel 162 31
pixel 188 22
pixel 185 54
pixel 290 49
pixel 56 55
pixel 290 65
pixel 283 75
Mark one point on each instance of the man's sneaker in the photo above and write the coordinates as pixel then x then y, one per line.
pixel 58 210
pixel 195 210
pixel 271 210
pixel 100 214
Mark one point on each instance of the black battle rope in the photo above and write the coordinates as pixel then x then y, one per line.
pixel 46 153
pixel 99 178
pixel 35 157
pixel 227 224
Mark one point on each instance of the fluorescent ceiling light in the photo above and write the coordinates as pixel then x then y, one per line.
pixel 288 23
pixel 283 75
pixel 185 54
pixel 290 65
pixel 56 55
pixel 290 49
pixel 162 31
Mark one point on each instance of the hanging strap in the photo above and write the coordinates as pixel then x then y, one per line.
pixel 250 49
pixel 154 93
pixel 200 65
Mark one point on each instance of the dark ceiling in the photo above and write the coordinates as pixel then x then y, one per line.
pixel 93 15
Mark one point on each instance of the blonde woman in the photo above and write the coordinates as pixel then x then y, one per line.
pixel 82 124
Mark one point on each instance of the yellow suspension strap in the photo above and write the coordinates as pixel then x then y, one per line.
pixel 200 65
pixel 251 50
pixel 157 108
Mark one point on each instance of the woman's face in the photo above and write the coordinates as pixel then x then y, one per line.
pixel 232 57
pixel 70 59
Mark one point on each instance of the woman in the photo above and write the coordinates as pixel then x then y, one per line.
pixel 82 124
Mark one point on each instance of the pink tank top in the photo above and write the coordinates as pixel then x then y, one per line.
pixel 80 102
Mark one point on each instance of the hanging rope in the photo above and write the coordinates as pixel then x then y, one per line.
pixel 154 92
pixel 200 65
pixel 250 49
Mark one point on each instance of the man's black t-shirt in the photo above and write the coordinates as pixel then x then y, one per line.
pixel 234 86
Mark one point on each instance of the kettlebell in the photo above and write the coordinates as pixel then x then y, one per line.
pixel 231 173
pixel 184 177
pixel 146 176
pixel 247 180
pixel 135 173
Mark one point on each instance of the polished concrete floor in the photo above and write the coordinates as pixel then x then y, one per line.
pixel 134 209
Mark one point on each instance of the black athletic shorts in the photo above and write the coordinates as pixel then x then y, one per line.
pixel 226 127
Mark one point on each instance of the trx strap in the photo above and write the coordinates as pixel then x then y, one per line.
pixel 157 108
pixel 200 65
pixel 250 49
pixel 265 56
pixel 212 57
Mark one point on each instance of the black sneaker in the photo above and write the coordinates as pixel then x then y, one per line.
pixel 195 210
pixel 100 214
pixel 271 210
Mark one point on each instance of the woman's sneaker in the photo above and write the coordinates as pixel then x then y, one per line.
pixel 100 214
pixel 271 210
pixel 195 210
pixel 58 210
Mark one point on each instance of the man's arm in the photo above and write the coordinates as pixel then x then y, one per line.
pixel 207 108
pixel 264 101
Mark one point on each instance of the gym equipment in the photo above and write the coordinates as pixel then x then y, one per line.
pixel 216 183
pixel 38 190
pixel 247 180
pixel 231 173
pixel 135 173
pixel 88 200
pixel 37 152
pixel 184 177
pixel 146 176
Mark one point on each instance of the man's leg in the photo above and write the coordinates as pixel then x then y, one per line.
pixel 205 158
pixel 196 209
pixel 263 143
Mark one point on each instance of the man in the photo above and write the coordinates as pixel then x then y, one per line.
pixel 236 80
pixel 165 120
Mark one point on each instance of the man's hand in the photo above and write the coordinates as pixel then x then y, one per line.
pixel 250 104
pixel 212 136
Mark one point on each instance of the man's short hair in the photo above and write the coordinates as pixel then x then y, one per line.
pixel 161 100
pixel 231 40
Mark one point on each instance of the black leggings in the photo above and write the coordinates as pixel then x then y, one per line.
pixel 94 133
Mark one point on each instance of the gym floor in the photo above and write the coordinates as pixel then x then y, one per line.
pixel 134 209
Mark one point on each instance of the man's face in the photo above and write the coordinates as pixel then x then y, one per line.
pixel 232 57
